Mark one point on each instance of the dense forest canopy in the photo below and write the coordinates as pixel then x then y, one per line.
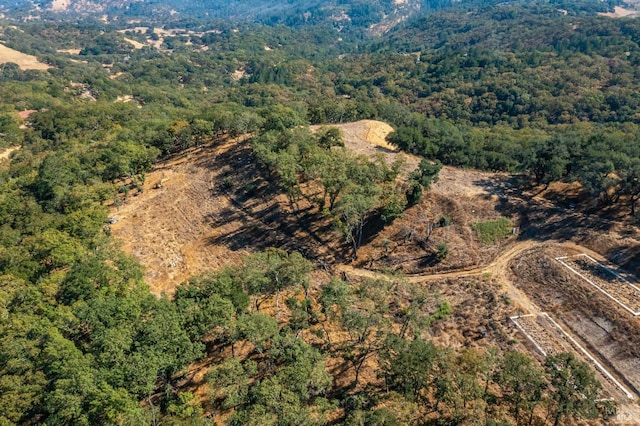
pixel 520 87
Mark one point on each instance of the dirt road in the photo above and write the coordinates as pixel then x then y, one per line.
pixel 498 269
pixel 498 265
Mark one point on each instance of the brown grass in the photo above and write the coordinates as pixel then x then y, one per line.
pixel 368 137
pixel 135 44
pixel 24 61
pixel 168 229
pixel 620 12
pixel 60 5
pixel 4 155
pixel 70 51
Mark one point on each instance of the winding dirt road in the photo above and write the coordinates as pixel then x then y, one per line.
pixel 498 269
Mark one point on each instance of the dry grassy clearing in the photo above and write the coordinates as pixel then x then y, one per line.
pixel 24 61
pixel 169 229
pixel 60 5
pixel 70 51
pixel 135 44
pixel 620 12
pixel 368 137
pixel 4 155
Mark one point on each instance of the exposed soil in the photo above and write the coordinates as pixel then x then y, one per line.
pixel 368 137
pixel 59 5
pixel 205 208
pixel 167 228
pixel 135 44
pixel 604 328
pixel 70 51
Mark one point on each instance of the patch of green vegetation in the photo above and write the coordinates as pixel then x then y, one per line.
pixel 492 230
pixel 443 251
pixel 444 309
pixel 444 221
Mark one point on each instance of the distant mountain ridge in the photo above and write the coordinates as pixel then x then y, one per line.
pixel 375 14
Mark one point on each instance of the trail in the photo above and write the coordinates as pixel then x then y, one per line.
pixel 498 269
pixel 499 264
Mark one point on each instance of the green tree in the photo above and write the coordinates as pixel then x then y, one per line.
pixel 358 201
pixel 292 392
pixel 522 384
pixel 329 137
pixel 547 160
pixel 244 123
pixel 361 312
pixel 331 168
pixel 258 328
pixel 574 388
pixel 427 173
pixel 230 381
pixel 202 130
pixel 630 182
pixel 271 271
pixel 186 405
pixel 408 367
pixel 280 118
pixel 208 304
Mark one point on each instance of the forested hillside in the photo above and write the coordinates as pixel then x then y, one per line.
pixel 547 93
pixel 349 14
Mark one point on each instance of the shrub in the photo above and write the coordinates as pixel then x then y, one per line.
pixel 227 183
pixel 444 221
pixel 443 251
pixel 414 193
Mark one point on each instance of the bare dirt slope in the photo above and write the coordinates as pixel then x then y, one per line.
pixel 4 155
pixel 500 269
pixel 213 207
pixel 194 223
pixel 168 229
pixel 620 12
pixel 604 328
pixel 202 210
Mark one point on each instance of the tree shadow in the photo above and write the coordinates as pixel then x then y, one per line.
pixel 265 220
pixel 541 220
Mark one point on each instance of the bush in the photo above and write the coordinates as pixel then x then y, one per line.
pixel 493 230
pixel 227 183
pixel 443 251
pixel 444 221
